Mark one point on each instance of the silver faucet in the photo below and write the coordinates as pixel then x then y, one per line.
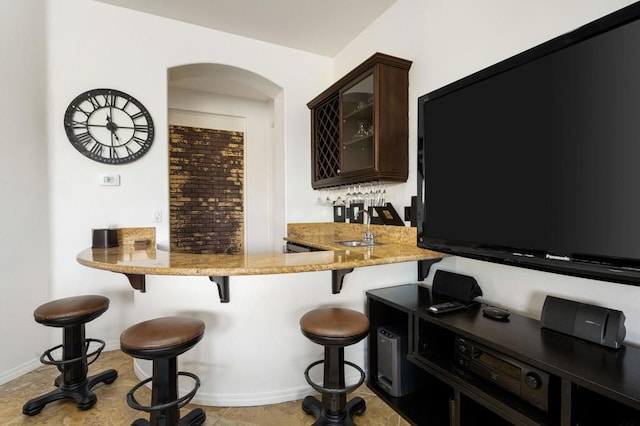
pixel 368 237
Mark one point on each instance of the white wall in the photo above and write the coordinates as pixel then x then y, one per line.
pixel 52 52
pixel 447 40
pixel 24 215
pixel 135 59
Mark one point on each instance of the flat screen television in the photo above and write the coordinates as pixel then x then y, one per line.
pixel 535 161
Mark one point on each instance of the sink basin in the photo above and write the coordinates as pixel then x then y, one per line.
pixel 356 243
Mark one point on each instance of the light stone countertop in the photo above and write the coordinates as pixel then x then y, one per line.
pixel 397 246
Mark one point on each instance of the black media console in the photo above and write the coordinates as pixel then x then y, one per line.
pixel 473 370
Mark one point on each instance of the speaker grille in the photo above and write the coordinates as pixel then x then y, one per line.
pixel 559 314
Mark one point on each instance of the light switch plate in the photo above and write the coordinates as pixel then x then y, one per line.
pixel 109 180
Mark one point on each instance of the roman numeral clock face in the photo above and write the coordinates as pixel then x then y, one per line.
pixel 109 126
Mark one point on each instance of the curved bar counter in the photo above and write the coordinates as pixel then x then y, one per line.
pixel 150 261
pixel 136 262
pixel 253 352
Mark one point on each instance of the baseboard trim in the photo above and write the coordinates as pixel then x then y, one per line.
pixel 249 399
pixel 14 373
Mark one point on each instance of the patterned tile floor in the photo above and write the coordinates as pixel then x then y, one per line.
pixel 112 409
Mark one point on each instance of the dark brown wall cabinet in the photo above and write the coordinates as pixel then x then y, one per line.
pixel 360 125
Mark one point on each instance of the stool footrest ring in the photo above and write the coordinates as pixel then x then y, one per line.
pixel 180 402
pixel 347 389
pixel 48 359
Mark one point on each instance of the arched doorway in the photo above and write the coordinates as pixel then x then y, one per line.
pixel 227 103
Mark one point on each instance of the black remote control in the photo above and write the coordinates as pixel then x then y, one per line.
pixel 440 308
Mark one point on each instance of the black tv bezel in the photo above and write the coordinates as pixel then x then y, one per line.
pixel 625 271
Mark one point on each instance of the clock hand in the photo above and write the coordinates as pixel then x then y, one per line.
pixel 112 128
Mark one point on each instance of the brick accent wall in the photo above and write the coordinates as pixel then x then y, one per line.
pixel 206 185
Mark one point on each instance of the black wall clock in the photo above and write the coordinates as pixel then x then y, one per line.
pixel 109 126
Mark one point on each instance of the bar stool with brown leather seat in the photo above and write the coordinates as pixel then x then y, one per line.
pixel 71 314
pixel 334 328
pixel 162 340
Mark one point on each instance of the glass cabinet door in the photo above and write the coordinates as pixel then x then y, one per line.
pixel 358 126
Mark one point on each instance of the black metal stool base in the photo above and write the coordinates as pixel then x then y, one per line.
pixel 166 413
pixel 195 418
pixel 313 406
pixel 81 393
pixel 334 408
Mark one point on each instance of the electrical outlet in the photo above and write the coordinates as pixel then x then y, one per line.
pixel 157 216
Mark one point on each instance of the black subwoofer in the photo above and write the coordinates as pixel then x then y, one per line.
pixel 396 375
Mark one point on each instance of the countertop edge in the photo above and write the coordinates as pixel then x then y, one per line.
pixel 397 245
pixel 280 263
